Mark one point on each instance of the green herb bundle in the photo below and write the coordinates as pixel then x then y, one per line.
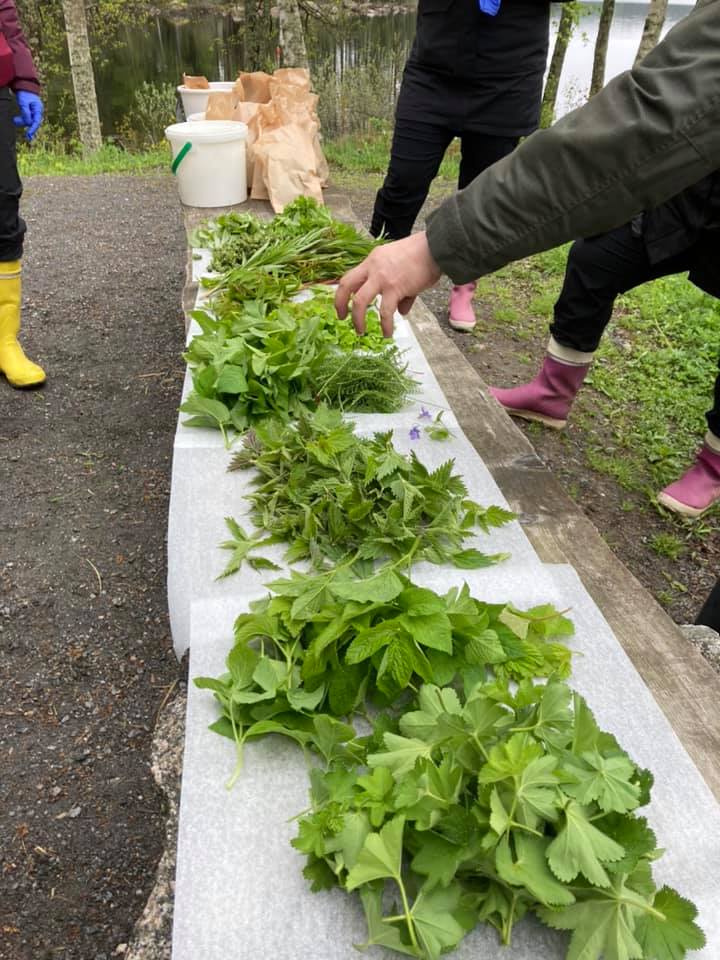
pixel 256 361
pixel 328 643
pixel 334 496
pixel 484 808
pixel 303 244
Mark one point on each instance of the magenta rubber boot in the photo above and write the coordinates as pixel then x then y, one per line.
pixel 460 312
pixel 698 489
pixel 548 397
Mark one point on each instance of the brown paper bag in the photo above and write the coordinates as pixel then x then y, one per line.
pixel 246 113
pixel 285 159
pixel 239 90
pixel 195 83
pixel 296 76
pixel 296 104
pixel 256 86
pixel 221 106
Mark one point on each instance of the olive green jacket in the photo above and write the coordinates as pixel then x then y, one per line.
pixel 646 136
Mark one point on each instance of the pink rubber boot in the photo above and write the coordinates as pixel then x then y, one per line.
pixel 460 312
pixel 698 489
pixel 548 397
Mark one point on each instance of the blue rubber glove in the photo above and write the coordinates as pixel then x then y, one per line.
pixel 31 110
pixel 490 7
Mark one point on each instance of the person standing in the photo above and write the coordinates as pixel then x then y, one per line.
pixel 19 88
pixel 679 236
pixel 475 72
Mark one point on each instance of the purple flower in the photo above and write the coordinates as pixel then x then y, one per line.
pixel 415 433
pixel 425 414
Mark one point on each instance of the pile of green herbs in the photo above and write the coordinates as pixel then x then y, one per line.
pixel 336 497
pixel 485 807
pixel 302 245
pixel 332 644
pixel 257 360
pixel 478 796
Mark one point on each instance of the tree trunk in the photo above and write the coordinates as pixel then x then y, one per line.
pixel 601 47
pixel 568 20
pixel 292 36
pixel 82 75
pixel 652 29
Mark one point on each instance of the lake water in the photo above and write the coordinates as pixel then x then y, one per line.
pixel 366 57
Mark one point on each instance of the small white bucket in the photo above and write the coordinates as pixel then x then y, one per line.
pixel 209 162
pixel 196 101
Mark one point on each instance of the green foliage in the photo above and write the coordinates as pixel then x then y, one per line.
pixel 667 545
pixel 256 360
pixel 471 814
pixel 68 161
pixel 330 643
pixel 153 109
pixel 363 153
pixel 334 496
pixel 304 243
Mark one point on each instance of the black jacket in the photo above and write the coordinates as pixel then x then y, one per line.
pixel 484 73
pixel 690 222
pixel 650 133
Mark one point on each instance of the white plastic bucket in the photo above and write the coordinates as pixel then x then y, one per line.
pixel 209 162
pixel 196 101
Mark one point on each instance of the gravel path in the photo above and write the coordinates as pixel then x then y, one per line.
pixel 85 474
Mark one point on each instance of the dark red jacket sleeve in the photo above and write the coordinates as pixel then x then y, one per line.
pixel 26 76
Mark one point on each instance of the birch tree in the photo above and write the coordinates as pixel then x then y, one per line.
pixel 83 77
pixel 601 47
pixel 292 35
pixel 568 21
pixel 653 27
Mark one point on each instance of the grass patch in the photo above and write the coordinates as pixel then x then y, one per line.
pixel 370 153
pixel 39 161
pixel 653 377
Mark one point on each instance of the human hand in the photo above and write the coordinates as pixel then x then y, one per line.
pixel 397 271
pixel 31 110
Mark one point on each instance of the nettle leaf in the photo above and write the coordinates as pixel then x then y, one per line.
pixel 380 857
pixel 669 936
pixel 381 588
pixel 580 847
pixel 472 559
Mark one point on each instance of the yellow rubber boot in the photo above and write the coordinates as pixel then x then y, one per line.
pixel 19 371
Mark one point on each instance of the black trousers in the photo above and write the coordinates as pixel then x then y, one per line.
pixel 418 148
pixel 598 270
pixel 12 226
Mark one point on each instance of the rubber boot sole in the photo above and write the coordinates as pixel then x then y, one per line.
pixel 462 327
pixel 682 508
pixel 536 417
pixel 24 386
